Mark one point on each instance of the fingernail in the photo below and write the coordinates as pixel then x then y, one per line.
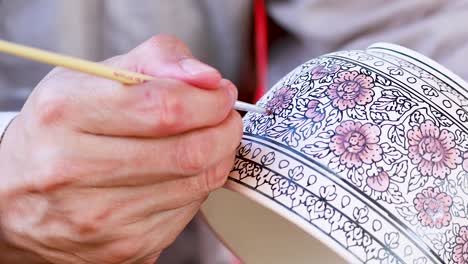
pixel 194 67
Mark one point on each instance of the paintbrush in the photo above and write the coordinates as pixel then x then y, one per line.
pixel 93 68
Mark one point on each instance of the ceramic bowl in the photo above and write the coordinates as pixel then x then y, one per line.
pixel 364 159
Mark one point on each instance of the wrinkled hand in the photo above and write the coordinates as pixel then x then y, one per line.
pixel 92 171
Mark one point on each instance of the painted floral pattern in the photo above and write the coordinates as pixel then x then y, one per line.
pixel 465 161
pixel 356 143
pixel 350 89
pixel 433 207
pixel 379 182
pixel 320 71
pixel 433 150
pixel 391 131
pixel 281 100
pixel 460 252
pixel 313 111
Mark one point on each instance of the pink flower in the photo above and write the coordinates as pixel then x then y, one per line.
pixel 460 251
pixel 379 182
pixel 350 89
pixel 356 143
pixel 313 111
pixel 433 207
pixel 465 161
pixel 318 72
pixel 281 100
pixel 433 150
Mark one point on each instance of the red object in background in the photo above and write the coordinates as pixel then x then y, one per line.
pixel 261 48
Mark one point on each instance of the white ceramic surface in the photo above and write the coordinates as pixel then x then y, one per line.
pixel 365 155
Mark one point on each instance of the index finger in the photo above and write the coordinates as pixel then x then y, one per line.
pixel 154 109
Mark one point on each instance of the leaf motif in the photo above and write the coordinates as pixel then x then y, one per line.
pixel 458 208
pixel 301 104
pixel 296 173
pixel 357 113
pixel 408 213
pixel 361 214
pixel 295 119
pixel 379 117
pixel 328 192
pixel 309 128
pixel 441 118
pixel 429 90
pixel 296 197
pixel 244 150
pixel 393 70
pixel 399 171
pixel 365 71
pixel 462 181
pixel 287 133
pixel 268 159
pixel 334 117
pixel 335 165
pixel 451 187
pixel 393 100
pixel 318 150
pixel 417 118
pixel 277 131
pixel 395 196
pixel 355 176
pixel 462 115
pixel 326 135
pixel 317 93
pixel 382 80
pixel 372 252
pixel 461 138
pixel 291 139
pixel 416 180
pixel 392 240
pixel 336 222
pixel 396 134
pixel 390 154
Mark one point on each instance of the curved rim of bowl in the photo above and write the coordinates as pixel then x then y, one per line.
pixel 265 202
pixel 403 51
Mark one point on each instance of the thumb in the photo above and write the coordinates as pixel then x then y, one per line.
pixel 168 57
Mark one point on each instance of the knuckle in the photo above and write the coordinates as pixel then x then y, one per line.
pixel 192 153
pixel 215 177
pixel 86 225
pixel 162 109
pixel 168 111
pixel 50 108
pixel 124 250
pixel 52 174
pixel 169 42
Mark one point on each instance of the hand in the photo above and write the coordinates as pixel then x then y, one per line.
pixel 92 171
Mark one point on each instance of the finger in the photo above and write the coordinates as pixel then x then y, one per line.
pixel 132 161
pixel 163 232
pixel 137 240
pixel 168 57
pixel 154 109
pixel 132 204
